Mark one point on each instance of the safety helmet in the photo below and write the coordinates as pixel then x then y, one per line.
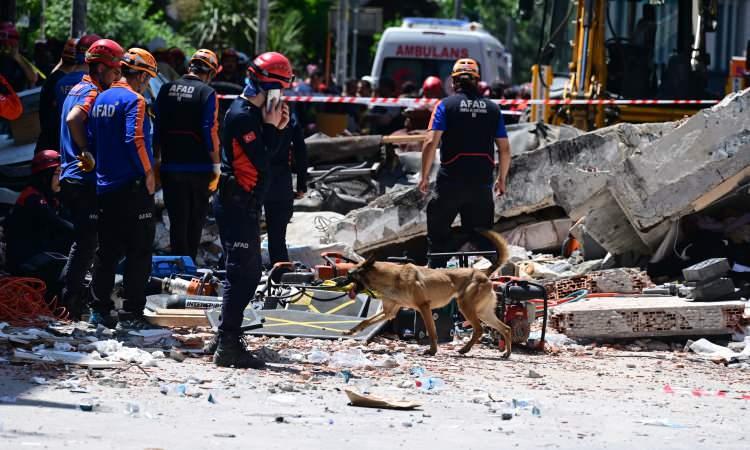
pixel 432 86
pixel 104 51
pixel 69 51
pixel 229 53
pixel 8 33
pixel 46 159
pixel 140 60
pixel 465 66
pixel 207 58
pixel 271 69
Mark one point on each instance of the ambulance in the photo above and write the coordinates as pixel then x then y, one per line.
pixel 422 47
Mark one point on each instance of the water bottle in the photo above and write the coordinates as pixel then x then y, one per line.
pixel 429 383
pixel 452 263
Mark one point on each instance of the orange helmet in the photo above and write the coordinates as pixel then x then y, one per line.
pixel 207 58
pixel 466 66
pixel 140 60
pixel 104 51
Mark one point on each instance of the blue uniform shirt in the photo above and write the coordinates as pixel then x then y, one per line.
pixel 120 134
pixel 82 96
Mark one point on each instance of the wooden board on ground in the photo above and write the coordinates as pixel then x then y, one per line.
pixel 177 317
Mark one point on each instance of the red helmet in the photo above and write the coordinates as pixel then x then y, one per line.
pixel 69 51
pixel 271 67
pixel 46 159
pixel 229 53
pixel 105 51
pixel 85 42
pixel 8 33
pixel 432 87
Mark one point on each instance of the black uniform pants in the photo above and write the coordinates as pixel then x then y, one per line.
pixel 126 228
pixel 186 199
pixel 278 214
pixel 237 214
pixel 476 206
pixel 81 202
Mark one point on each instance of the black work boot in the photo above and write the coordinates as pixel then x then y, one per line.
pixel 231 352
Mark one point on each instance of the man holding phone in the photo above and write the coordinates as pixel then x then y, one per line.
pixel 250 139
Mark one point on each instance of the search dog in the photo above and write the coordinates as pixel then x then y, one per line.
pixel 424 289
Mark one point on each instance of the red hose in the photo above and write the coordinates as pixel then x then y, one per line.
pixel 22 302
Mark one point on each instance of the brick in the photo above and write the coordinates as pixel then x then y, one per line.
pixel 707 270
pixel 642 317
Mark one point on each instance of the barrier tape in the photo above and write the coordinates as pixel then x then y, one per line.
pixel 406 102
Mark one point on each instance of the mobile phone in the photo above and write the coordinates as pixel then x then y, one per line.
pixel 273 97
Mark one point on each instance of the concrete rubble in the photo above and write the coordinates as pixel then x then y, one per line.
pixel 630 182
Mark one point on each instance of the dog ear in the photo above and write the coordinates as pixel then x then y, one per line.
pixel 369 261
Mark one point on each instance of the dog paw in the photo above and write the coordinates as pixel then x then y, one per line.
pixel 429 352
pixel 506 355
pixel 464 350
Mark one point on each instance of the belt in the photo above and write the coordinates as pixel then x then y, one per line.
pixel 460 155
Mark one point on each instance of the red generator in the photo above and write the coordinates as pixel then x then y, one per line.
pixel 517 304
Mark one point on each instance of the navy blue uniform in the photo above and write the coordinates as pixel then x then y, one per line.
pixel 279 201
pixel 470 124
pixel 120 134
pixel 248 146
pixel 78 189
pixel 187 130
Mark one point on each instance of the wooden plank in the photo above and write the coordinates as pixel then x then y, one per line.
pixel 177 320
pixel 180 312
pixel 721 190
pixel 404 139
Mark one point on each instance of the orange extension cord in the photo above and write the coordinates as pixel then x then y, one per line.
pixel 22 302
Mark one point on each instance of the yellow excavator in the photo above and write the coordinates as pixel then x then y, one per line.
pixel 609 66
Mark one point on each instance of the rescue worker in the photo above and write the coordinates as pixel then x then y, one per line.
pixel 78 180
pixel 231 71
pixel 279 201
pixel 75 75
pixel 120 130
pixel 37 237
pixel 250 138
pixel 13 65
pixel 49 108
pixel 432 87
pixel 187 132
pixel 467 126
pixel 11 107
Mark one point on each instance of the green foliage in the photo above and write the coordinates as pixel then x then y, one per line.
pixel 285 34
pixel 495 16
pixel 126 21
pixel 225 23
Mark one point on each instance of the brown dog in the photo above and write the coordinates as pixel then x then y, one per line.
pixel 424 289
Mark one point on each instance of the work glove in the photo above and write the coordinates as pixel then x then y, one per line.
pixel 214 183
pixel 86 161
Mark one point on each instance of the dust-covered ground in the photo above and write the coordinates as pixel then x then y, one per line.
pixel 585 397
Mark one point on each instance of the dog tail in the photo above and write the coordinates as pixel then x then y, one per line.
pixel 502 250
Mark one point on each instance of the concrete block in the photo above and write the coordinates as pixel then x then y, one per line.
pixel 720 288
pixel 707 270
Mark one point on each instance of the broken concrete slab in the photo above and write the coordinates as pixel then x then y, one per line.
pixel 540 236
pixel 322 149
pixel 639 317
pixel 393 218
pixel 679 168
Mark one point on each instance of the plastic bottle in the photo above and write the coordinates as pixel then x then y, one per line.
pixel 430 383
pixel 452 263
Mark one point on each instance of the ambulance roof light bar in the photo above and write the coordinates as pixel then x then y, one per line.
pixel 426 22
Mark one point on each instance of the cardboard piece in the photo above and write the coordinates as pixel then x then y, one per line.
pixel 371 401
